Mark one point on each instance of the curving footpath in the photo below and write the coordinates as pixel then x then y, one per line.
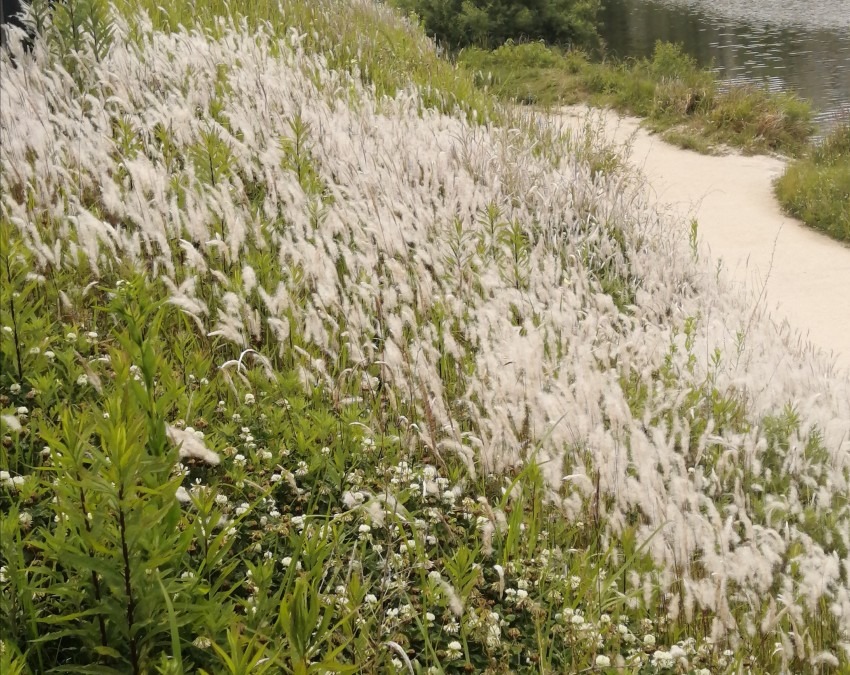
pixel 802 275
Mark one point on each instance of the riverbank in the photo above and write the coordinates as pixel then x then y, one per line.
pixel 798 275
pixel 686 104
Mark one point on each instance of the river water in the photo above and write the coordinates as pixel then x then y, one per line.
pixel 801 46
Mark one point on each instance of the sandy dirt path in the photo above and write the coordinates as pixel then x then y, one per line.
pixel 805 275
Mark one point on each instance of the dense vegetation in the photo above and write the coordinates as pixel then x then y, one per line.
pixel 313 359
pixel 490 23
pixel 816 187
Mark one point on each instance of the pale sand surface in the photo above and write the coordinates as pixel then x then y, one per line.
pixel 805 275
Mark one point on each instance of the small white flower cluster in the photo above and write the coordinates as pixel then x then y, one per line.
pixel 7 480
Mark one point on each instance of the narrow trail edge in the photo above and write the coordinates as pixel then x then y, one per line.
pixel 801 275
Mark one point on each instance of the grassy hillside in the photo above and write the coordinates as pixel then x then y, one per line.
pixel 313 360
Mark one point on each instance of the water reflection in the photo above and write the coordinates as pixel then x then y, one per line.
pixel 748 42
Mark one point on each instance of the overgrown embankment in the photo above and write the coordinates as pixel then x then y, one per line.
pixel 305 366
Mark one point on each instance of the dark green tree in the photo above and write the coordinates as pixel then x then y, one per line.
pixel 490 23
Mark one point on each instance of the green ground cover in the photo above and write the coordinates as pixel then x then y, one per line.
pixel 816 187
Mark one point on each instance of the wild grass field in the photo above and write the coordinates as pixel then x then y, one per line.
pixel 315 359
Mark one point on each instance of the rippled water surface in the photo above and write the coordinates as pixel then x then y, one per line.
pixel 796 45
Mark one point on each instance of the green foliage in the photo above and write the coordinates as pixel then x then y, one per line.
pixel 73 29
pixel 79 21
pixel 460 23
pixel 816 188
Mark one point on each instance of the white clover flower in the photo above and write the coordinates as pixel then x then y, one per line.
pixel 275 478
pixel 249 399
pixel 221 499
pixel 454 650
pixel 91 335
pixel 7 329
pixel 649 640
pixel 50 355
pixel 15 388
pixel 202 642
pixel 83 380
pixel 265 455
pixel 521 594
pixel 577 620
pixel 287 561
pixel 25 519
pixel 71 337
pixel 364 529
pixel 242 509
pixel 662 659
pixel 371 599
pixel 603 661
pixel 298 521
pixel 429 617
pixel 239 459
